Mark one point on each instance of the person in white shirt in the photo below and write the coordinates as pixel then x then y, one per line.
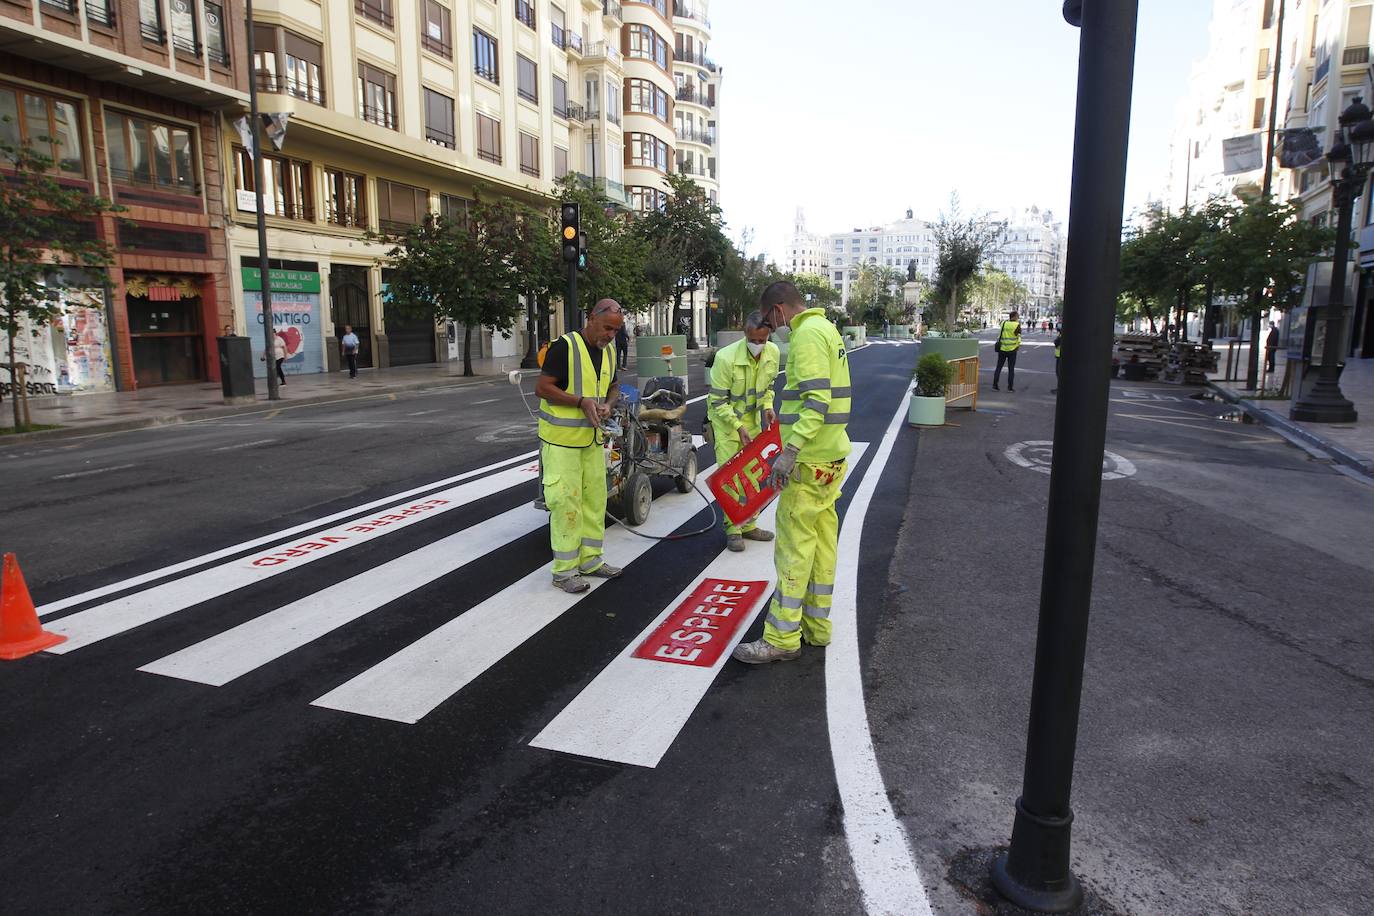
pixel 349 343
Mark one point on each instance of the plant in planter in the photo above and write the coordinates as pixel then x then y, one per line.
pixel 927 408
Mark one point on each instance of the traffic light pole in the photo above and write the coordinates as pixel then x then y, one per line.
pixel 268 331
pixel 1034 874
pixel 571 313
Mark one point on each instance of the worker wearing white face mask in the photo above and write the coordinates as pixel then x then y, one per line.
pixel 740 406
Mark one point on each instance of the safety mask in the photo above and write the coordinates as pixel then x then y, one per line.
pixel 755 348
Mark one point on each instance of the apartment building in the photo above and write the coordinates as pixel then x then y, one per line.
pixel 130 94
pixel 807 252
pixel 892 245
pixel 398 110
pixel 1032 254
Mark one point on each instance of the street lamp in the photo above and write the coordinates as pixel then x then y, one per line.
pixel 1352 152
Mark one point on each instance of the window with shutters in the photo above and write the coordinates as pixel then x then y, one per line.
pixel 560 96
pixel 488 138
pixel 439 125
pixel 345 199
pixel 143 151
pixel 377 96
pixel 436 33
pixel 526 78
pixel 216 42
pixel 557 29
pixel 560 162
pixel 484 59
pixel 286 62
pixel 150 21
pixel 185 34
pixel 48 124
pixel 286 184
pixel 400 206
pixel 529 154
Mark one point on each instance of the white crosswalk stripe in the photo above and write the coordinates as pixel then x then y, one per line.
pixel 635 708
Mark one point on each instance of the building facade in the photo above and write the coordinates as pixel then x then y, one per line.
pixel 807 252
pixel 1032 254
pixel 130 94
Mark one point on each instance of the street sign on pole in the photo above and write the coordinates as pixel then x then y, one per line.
pixel 1034 873
pixel 255 123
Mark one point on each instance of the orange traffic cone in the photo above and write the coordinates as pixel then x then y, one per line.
pixel 20 633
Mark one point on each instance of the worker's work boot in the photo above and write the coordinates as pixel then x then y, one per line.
pixel 573 585
pixel 761 652
pixel 734 542
pixel 605 571
pixel 757 534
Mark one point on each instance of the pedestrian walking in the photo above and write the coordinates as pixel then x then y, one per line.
pixel 349 343
pixel 1057 338
pixel 1008 342
pixel 622 347
pixel 812 422
pixel 577 390
pixel 739 404
pixel 278 357
pixel 1271 348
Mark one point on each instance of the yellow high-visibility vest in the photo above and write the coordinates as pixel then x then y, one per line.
pixel 1010 340
pixel 569 426
pixel 815 401
pixel 741 387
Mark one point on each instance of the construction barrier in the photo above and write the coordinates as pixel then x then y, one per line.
pixel 963 385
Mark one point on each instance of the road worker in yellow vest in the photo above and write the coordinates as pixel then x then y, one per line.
pixel 576 390
pixel 740 406
pixel 1008 342
pixel 812 420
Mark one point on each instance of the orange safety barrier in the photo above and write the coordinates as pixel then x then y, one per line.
pixel 963 384
pixel 20 632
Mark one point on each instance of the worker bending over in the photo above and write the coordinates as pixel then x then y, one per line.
pixel 576 391
pixel 740 407
pixel 812 422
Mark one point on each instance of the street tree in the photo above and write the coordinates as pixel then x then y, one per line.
pixel 460 270
pixel 962 244
pixel 44 225
pixel 994 291
pixel 535 262
pixel 686 237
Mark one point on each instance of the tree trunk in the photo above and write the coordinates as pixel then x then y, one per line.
pixel 467 350
pixel 952 312
pixel 531 334
pixel 14 380
pixel 1252 363
pixel 1209 315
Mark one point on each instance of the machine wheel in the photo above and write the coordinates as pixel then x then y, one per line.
pixel 636 498
pixel 685 480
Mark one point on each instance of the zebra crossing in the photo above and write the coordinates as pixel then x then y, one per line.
pixel 631 712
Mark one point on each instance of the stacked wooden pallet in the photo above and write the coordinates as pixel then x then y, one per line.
pixel 1145 349
pixel 1189 363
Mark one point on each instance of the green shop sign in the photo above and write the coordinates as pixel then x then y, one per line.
pixel 283 281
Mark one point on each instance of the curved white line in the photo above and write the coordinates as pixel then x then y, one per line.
pixel 878 847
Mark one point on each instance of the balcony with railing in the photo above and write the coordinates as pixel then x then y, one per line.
pixel 1355 56
pixel 440 137
pixel 524 12
pixel 186 45
pixel 688 11
pixel 697 135
pixel 574 43
pixel 61 6
pixel 382 117
pixel 603 50
pixel 1323 68
pixel 611 10
pixel 152 32
pixel 575 112
pixel 301 89
pixel 377 12
pixel 559 36
pixel 101 12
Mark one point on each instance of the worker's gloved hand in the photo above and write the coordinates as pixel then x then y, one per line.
pixel 769 418
pixel 744 437
pixel 591 410
pixel 782 468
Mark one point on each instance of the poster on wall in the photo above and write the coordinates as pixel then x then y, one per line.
pixel 295 316
pixel 35 351
pixel 82 344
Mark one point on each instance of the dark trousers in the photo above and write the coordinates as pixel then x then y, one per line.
pixel 1008 360
pixel 281 376
pixel 622 356
pixel 352 357
pixel 1269 359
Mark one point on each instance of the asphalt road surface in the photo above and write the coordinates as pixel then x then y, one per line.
pixel 314 665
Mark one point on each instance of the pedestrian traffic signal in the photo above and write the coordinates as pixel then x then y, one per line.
pixel 570 233
pixel 582 251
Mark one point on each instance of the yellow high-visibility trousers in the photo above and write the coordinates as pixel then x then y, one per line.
pixel 727 446
pixel 805 556
pixel 575 492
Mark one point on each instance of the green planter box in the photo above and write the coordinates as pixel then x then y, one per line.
pixel 949 347
pixel 926 411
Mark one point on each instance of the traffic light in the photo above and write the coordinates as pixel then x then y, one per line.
pixel 570 233
pixel 582 251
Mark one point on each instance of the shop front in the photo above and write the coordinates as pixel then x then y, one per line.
pixel 166 328
pixel 70 354
pixel 296 315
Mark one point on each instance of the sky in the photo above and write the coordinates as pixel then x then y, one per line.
pixel 859 110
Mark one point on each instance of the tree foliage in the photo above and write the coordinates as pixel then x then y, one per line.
pixel 686 239
pixel 962 245
pixel 43 225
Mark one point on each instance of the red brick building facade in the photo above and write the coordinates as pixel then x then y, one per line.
pixel 131 93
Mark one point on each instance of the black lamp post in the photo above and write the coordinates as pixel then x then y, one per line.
pixel 1352 152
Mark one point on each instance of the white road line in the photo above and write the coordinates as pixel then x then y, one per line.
pixel 104 620
pixel 421 413
pixel 412 683
pixel 635 708
pixel 117 467
pixel 164 572
pixel 878 846
pixel 234 653
pixel 475 403
pixel 230 448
